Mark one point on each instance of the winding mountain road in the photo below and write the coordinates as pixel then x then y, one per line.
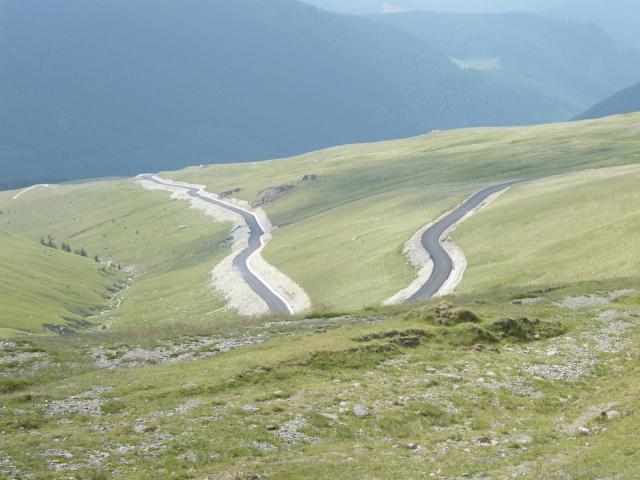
pixel 433 236
pixel 275 303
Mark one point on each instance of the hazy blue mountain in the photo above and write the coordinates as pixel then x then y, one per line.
pixel 624 101
pixel 620 18
pixel 116 87
pixel 577 61
pixel 467 6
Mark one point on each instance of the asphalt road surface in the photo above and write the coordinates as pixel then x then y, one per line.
pixel 273 301
pixel 442 262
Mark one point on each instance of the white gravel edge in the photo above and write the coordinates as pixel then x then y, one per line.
pixel 418 256
pixel 224 278
pixel 22 192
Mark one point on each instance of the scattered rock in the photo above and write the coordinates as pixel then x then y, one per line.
pixel 264 446
pixel 185 407
pixel 452 377
pixel 360 411
pixel 289 431
pixel 56 452
pixel 10 471
pixel 271 194
pixel 523 440
pixel 618 294
pixel 57 329
pixel 517 385
pixel 589 301
pixel 170 352
pixel 528 301
pixel 19 359
pixel 573 370
pixel 228 193
pixel 250 408
pixel 611 414
pixel 87 403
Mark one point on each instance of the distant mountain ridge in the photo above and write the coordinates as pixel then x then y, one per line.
pixel 577 62
pixel 619 18
pixel 464 6
pixel 625 101
pixel 116 87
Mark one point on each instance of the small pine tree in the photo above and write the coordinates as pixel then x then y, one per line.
pixel 96 258
pixel 83 252
pixel 42 242
pixel 66 247
pixel 51 243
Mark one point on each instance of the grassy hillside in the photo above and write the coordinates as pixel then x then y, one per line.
pixel 138 229
pixel 342 230
pixel 577 227
pixel 625 101
pixel 41 286
pixel 531 370
pixel 341 235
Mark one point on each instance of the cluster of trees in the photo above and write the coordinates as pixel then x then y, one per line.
pixel 65 247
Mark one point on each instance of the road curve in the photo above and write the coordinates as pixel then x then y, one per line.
pixel 432 242
pixel 276 304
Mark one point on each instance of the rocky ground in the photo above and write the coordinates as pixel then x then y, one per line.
pixel 431 392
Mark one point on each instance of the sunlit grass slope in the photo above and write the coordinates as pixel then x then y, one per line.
pixel 341 235
pixel 574 227
pixel 40 285
pixel 139 229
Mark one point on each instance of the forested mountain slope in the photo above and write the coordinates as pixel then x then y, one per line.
pixel 625 101
pixel 618 17
pixel 579 62
pixel 118 87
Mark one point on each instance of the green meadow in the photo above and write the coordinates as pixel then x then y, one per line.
pixel 341 236
pixel 529 371
pixel 167 266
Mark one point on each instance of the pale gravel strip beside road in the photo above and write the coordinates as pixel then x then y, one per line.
pixel 22 192
pixel 224 277
pixel 292 293
pixel 455 251
pixel 420 259
pixel 418 256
